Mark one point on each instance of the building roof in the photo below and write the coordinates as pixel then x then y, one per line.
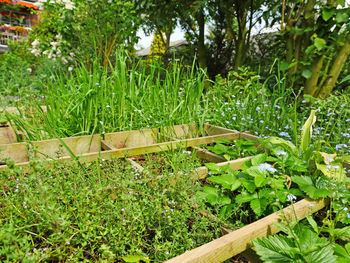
pixel 174 44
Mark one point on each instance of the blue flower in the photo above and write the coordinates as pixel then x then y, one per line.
pixel 284 134
pixel 267 167
pixel 281 153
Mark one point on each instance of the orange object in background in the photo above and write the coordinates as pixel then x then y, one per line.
pixel 24 4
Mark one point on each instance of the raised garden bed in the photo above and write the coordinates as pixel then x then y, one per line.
pixel 119 144
pixel 140 143
pixel 238 241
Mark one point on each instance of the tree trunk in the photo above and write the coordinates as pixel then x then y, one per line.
pixel 168 32
pixel 202 52
pixel 240 50
pixel 336 69
pixel 311 83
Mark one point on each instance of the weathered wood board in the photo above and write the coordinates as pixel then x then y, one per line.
pixel 7 135
pixel 129 139
pixel 239 240
pixel 119 144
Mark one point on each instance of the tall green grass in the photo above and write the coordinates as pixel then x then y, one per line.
pixel 126 95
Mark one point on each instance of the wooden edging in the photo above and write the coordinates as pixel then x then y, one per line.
pixel 240 240
pixel 208 156
pixel 202 172
pixel 131 151
pixel 7 135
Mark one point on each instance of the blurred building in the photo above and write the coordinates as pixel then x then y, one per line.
pixel 16 20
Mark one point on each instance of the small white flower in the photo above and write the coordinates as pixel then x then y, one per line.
pixel 291 197
pixel 70 68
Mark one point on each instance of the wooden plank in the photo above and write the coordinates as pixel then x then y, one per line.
pixel 165 146
pixel 202 172
pixel 17 152
pixel 7 135
pixel 78 145
pixel 249 136
pixel 134 138
pixel 106 146
pixel 204 154
pixel 239 240
pixel 215 130
pixel 180 131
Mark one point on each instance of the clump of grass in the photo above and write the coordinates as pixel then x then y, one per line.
pixel 126 95
pixel 105 212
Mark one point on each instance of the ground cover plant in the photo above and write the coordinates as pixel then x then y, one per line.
pixel 231 150
pixel 271 180
pixel 320 238
pixel 104 212
pixel 170 161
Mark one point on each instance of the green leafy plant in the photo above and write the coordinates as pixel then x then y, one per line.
pixel 233 150
pixel 258 188
pixel 301 244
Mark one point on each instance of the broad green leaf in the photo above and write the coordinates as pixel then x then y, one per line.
pixel 255 171
pixel 328 157
pixel 345 158
pixel 307 185
pixel 284 66
pixel 306 131
pixel 276 248
pixel 306 73
pixel 245 197
pixel 224 141
pixel 219 148
pixel 135 259
pixel 227 181
pixel 288 146
pixel 327 13
pixel 249 185
pixel 322 253
pixel 342 233
pixel 319 43
pixel 334 170
pixel 313 223
pixel 259 159
pixel 343 253
pixel 258 205
pixel 277 183
pixel 213 196
pixel 227 157
pixel 213 167
pixel 342 17
pixel 295 164
pixel 226 211
pixel 259 180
